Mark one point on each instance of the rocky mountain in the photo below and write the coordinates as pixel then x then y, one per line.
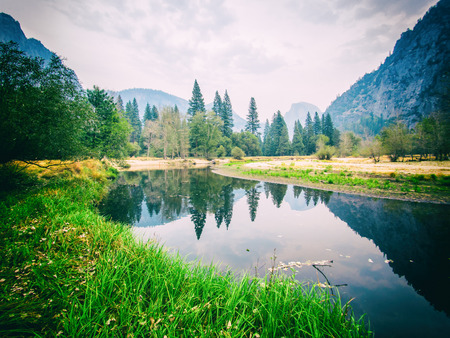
pixel 299 111
pixel 10 30
pixel 410 84
pixel 160 99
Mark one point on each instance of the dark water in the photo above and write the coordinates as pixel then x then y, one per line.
pixel 392 257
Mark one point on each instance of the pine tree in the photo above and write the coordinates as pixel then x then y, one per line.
pixel 227 116
pixel 217 105
pixel 252 118
pixel 266 147
pixel 280 144
pixel 298 147
pixel 119 105
pixel 155 114
pixel 309 140
pixel 147 113
pixel 328 128
pixel 317 124
pixel 196 103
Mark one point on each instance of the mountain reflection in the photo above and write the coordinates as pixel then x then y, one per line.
pixel 415 238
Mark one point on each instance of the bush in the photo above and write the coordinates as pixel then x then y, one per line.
pixel 221 152
pixel 325 152
pixel 237 153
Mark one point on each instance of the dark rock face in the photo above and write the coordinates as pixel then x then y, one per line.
pixel 412 81
pixel 10 31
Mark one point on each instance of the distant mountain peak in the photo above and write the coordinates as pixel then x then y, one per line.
pixel 10 30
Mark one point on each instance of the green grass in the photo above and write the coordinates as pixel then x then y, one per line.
pixel 66 271
pixel 391 183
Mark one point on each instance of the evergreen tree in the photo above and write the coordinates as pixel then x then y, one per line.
pixel 132 114
pixel 155 113
pixel 309 139
pixel 147 113
pixel 328 128
pixel 109 134
pixel 217 105
pixel 252 118
pixel 317 124
pixel 227 116
pixel 119 105
pixel 280 144
pixel 298 148
pixel 266 146
pixel 196 103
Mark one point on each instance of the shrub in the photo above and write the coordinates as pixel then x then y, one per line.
pixel 237 153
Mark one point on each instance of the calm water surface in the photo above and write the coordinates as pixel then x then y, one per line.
pixel 392 257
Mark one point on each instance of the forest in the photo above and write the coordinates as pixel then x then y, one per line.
pixel 46 114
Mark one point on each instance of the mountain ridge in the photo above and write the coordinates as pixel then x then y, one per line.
pixel 410 84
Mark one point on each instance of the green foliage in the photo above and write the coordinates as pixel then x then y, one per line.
pixel 396 141
pixel 277 139
pixel 324 151
pixel 109 132
pixel 205 134
pixel 248 142
pixel 237 153
pixel 43 111
pixel 132 115
pixel 217 105
pixel 166 136
pixel 298 148
pixel 221 151
pixel 252 124
pixel 350 144
pixel 196 103
pixel 227 116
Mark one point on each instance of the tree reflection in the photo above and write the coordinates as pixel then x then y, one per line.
pixel 278 191
pixel 172 194
pixel 252 201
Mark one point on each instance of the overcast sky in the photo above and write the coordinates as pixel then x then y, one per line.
pixel 279 52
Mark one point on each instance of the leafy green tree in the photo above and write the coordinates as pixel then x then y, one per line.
pixel 217 105
pixel 196 103
pixel 248 142
pixel 204 134
pixel 44 113
pixel 108 135
pixel 298 148
pixel 349 144
pixel 252 118
pixel 324 150
pixel 396 140
pixel 237 153
pixel 227 116
pixel 432 136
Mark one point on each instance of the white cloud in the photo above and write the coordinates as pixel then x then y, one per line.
pixel 278 52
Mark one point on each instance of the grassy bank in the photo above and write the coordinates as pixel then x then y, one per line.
pixel 66 271
pixel 429 187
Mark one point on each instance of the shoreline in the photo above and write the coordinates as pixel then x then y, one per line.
pixel 327 187
pixel 362 167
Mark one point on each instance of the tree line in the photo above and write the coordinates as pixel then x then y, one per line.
pixel 45 114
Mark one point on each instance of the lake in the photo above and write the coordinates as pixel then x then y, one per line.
pixel 391 257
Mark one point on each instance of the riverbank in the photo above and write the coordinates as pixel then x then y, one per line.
pixel 409 181
pixel 67 271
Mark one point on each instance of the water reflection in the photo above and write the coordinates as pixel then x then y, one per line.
pixel 240 222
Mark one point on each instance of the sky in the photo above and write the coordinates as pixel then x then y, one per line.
pixel 280 52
